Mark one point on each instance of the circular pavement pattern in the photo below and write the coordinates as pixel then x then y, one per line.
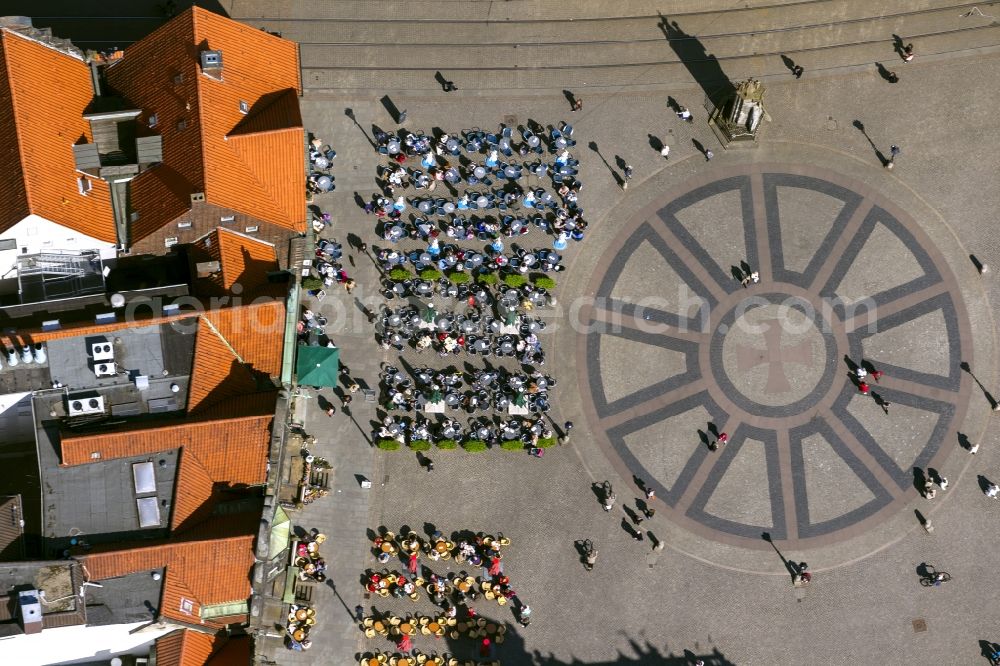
pixel 677 349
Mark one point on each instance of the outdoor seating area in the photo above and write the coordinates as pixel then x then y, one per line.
pixel 451 593
pixel 321 158
pixel 378 658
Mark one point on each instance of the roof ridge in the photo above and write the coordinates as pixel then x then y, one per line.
pixel 221 337
pixel 244 236
pixel 188 422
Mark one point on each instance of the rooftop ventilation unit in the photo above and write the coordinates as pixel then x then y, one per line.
pixel 80 406
pixel 102 351
pixel 108 369
pixel 31 611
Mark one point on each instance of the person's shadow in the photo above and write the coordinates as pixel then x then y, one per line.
pixel 655 143
pixel 439 77
pixel 673 104
pixel 700 147
pixel 736 272
pixel 984 483
pixel 350 114
pixel 878 153
pixel 789 63
pixel 886 74
pixel 570 97
pixel 920 479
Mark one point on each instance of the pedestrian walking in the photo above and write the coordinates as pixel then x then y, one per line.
pixel 685 115
pixel 347 399
pixel 709 155
pixel 648 511
pixel 609 501
pixel 577 104
pixel 893 151
pixel 650 493
pixel 943 482
pixel 877 375
pixel 929 491
pixel 402 117
pixel 861 373
pixel 908 53
pixel 429 465
pixel 349 285
pixel 331 410
pixel 992 490
pixel 752 277
pixel 665 152
pixel 797 71
pixel 627 174
pixel 722 439
pixel 974 448
pixel 892 77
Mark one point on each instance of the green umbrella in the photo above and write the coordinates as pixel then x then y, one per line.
pixel 511 318
pixel 436 397
pixel 318 366
pixel 429 314
pixel 520 400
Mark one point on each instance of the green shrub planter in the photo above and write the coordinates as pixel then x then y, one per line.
pixel 515 281
pixel 312 283
pixel 388 444
pixel 420 445
pixel 487 278
pixel 399 274
pixel 545 282
pixel 458 277
pixel 430 274
pixel 447 444
pixel 512 445
pixel 545 442
pixel 475 446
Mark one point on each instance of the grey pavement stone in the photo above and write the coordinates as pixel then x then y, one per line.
pixel 703 593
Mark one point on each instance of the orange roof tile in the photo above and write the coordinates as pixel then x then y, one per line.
pixel 217 373
pixel 254 332
pixel 252 164
pixel 231 450
pixel 237 651
pixel 243 260
pixel 213 571
pixel 185 647
pixel 43 95
pixel 193 494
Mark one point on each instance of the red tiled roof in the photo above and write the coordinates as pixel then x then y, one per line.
pixel 253 163
pixel 43 95
pixel 214 571
pixel 185 647
pixel 217 373
pixel 231 450
pixel 243 260
pixel 193 494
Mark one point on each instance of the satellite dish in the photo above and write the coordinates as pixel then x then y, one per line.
pixel 117 300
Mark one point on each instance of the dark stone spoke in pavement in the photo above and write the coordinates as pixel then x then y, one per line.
pixel 843 281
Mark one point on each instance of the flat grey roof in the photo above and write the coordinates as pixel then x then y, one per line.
pixel 132 598
pixel 96 501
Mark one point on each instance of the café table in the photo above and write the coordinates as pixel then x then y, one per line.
pixel 428 160
pixel 386 546
pixel 560 143
pixel 321 162
pixel 533 141
pixel 424 206
pixel 324 183
pixel 452 144
pixel 372 661
pixel 441 546
pixel 479 172
pixel 449 207
pixel 481 201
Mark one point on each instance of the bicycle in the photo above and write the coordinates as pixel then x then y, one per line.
pixel 932 577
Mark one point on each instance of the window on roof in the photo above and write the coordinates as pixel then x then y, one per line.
pixel 187 606
pixel 134 216
pixel 179 79
pixel 153 120
pixel 227 218
pixel 244 107
pixel 170 242
pixel 181 124
pixel 183 225
pixel 83 184
pixel 252 229
pixel 95 455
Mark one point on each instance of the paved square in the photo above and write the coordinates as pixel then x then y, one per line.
pixel 654 339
